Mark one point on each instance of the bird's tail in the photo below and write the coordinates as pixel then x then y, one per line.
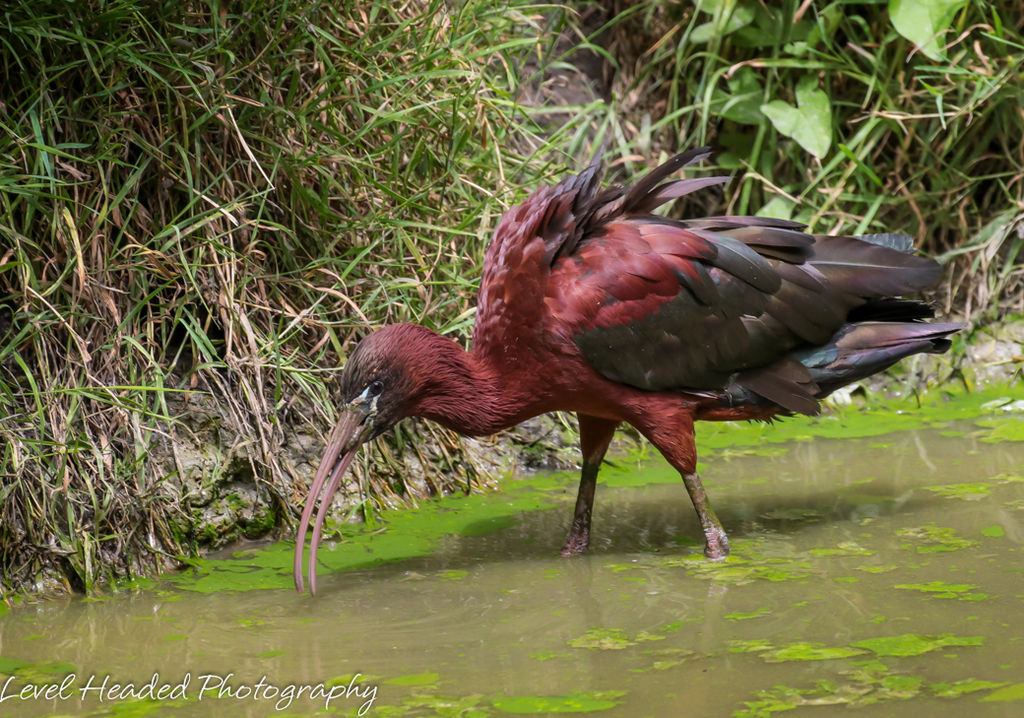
pixel 859 350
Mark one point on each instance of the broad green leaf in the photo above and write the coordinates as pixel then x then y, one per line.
pixel 742 103
pixel 924 22
pixel 778 207
pixel 809 123
pixel 729 17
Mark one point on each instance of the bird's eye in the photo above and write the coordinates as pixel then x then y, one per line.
pixel 374 388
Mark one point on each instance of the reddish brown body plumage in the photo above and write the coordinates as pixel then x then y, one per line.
pixel 590 303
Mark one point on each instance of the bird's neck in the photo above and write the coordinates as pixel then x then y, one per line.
pixel 465 392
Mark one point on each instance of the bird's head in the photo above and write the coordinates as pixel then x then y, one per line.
pixel 379 387
pixel 379 383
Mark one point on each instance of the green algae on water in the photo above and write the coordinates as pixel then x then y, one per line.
pixel 573 703
pixel 666 658
pixel 804 651
pixel 758 558
pixel 728 439
pixel 743 616
pixel 912 644
pixel 845 548
pixel 792 514
pixel 883 416
pixel 969 492
pixel 611 639
pixel 976 490
pixel 870 683
pixel 415 679
pixel 962 687
pixel 409 533
pixel 416 533
pixel 934 539
pixel 940 589
pixel 908 644
pixel 603 639
pixel 469 706
pixel 1002 429
pixel 1009 693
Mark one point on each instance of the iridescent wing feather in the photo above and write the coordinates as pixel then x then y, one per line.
pixel 719 305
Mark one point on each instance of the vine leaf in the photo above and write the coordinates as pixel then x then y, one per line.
pixel 924 22
pixel 810 122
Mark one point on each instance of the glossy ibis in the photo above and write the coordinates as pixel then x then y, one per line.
pixel 591 303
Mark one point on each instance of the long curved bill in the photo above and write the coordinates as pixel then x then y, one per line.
pixel 344 442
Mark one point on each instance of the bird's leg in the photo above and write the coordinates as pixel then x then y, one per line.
pixel 717 543
pixel 670 429
pixel 595 435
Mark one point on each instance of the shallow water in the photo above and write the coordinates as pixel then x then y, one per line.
pixel 882 572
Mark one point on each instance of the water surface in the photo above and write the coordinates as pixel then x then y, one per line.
pixel 882 572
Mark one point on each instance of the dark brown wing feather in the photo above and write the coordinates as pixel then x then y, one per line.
pixel 714 304
pixel 551 224
pixel 717 305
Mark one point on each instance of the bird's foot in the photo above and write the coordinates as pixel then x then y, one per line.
pixel 717 546
pixel 576 544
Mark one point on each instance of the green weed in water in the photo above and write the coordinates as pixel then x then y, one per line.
pixel 471 706
pixel 10 666
pixel 408 534
pixel 1002 429
pixel 741 616
pixel 750 646
pixel 903 645
pixel 845 548
pixel 962 687
pixel 415 679
pixel 35 672
pixel 940 589
pixel 611 639
pixel 886 568
pixel 912 644
pixel 803 651
pixel 977 490
pixel 455 574
pixel 141 708
pixel 793 514
pixel 573 703
pixel 934 539
pixel 868 683
pixel 742 572
pixel 761 558
pixel 969 492
pixel 883 417
pixel 666 658
pixel 603 639
pixel 1010 693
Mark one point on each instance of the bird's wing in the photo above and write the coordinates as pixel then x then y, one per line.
pixel 552 224
pixel 714 303
pixel 517 266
